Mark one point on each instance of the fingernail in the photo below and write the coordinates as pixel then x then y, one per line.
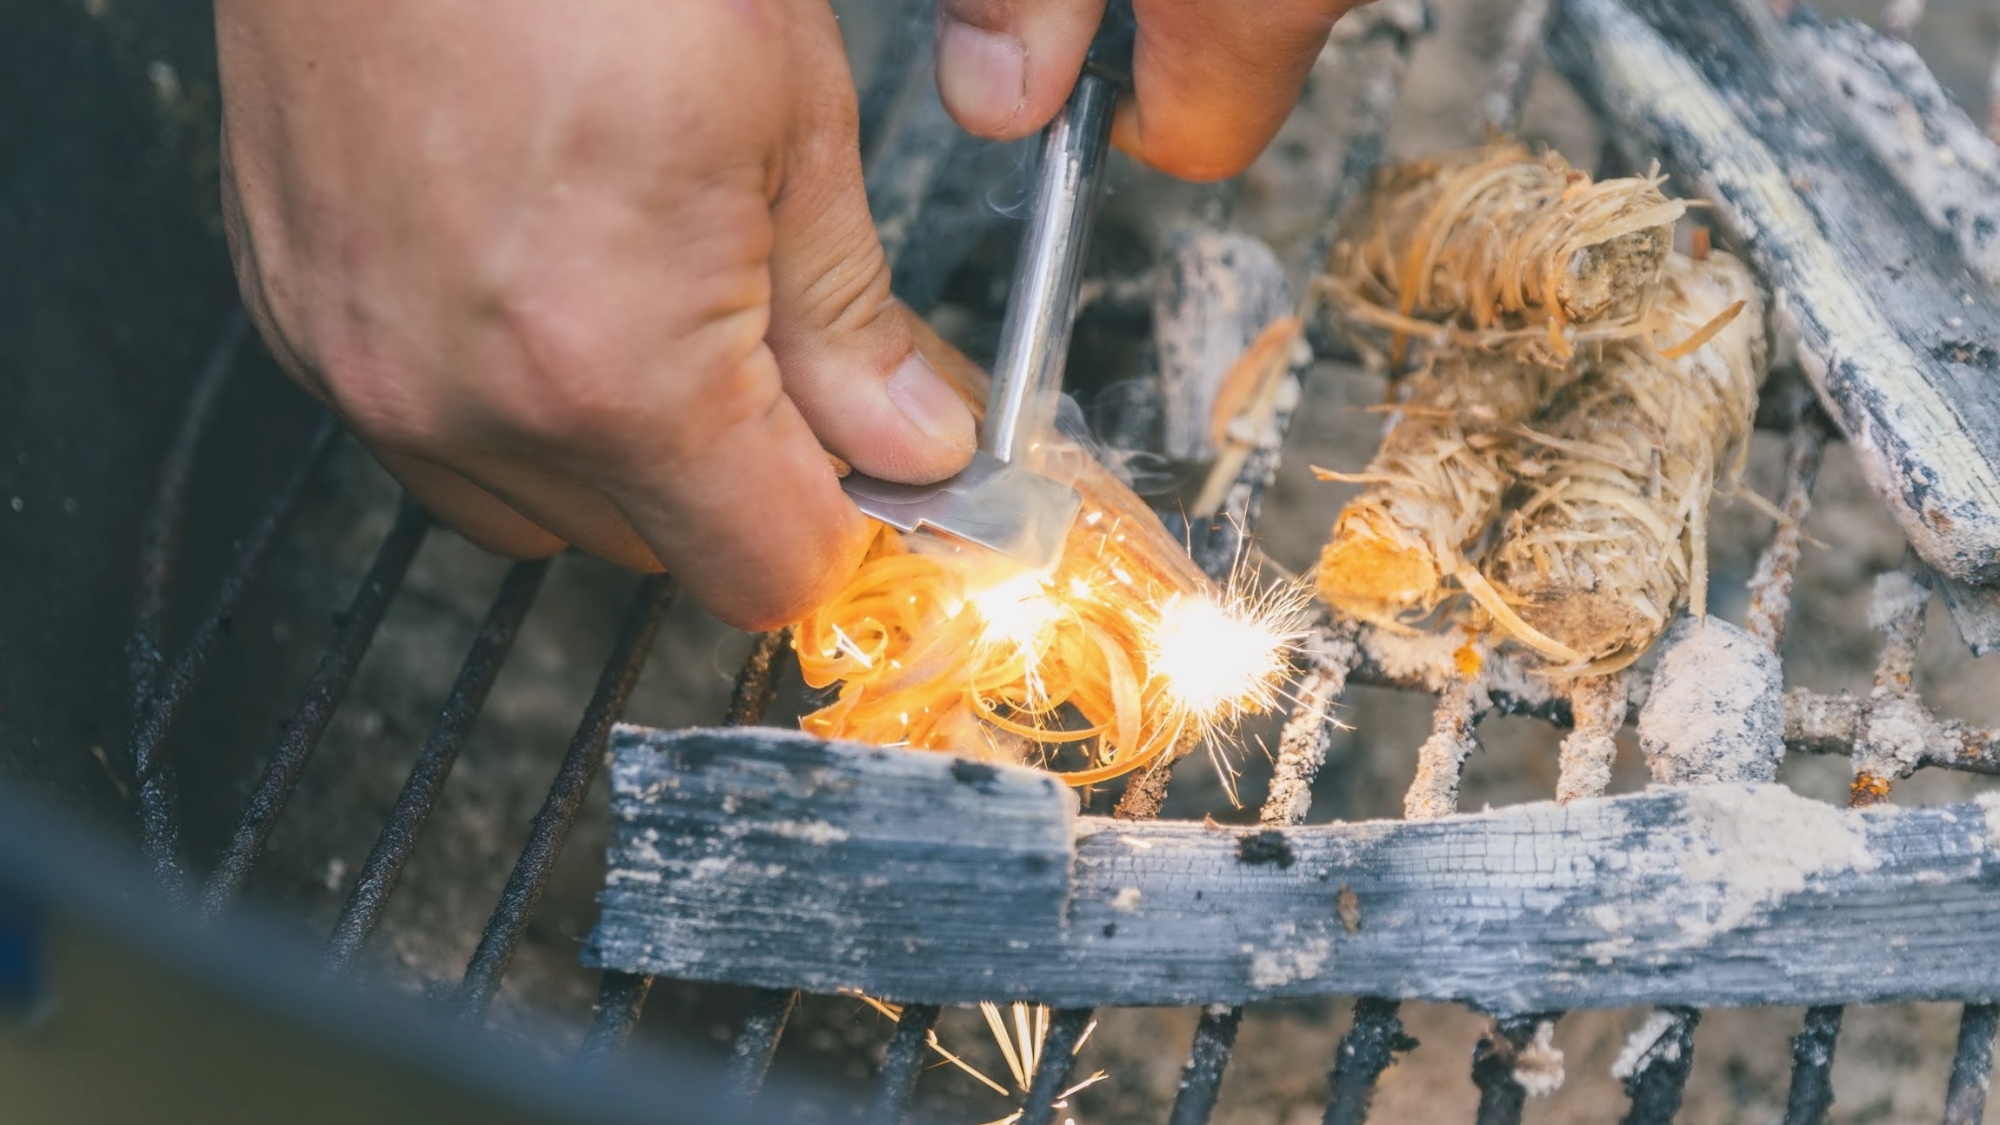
pixel 982 76
pixel 930 404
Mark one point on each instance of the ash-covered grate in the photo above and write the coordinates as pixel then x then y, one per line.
pixel 922 185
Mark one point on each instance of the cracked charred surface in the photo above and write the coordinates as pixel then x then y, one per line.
pixel 769 858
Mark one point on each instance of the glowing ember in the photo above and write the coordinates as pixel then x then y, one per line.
pixel 1217 660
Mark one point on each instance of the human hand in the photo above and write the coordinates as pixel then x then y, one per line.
pixel 1212 79
pixel 599 273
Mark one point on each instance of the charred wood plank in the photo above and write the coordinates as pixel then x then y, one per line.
pixel 769 858
pixel 1899 338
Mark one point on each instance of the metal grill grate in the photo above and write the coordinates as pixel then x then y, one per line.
pixel 907 142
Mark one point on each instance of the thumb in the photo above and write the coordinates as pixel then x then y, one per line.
pixel 844 351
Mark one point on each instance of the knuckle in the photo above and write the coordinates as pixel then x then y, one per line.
pixel 585 376
pixel 849 296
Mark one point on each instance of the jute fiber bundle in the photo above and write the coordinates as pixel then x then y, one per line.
pixel 1610 540
pixel 1500 247
pixel 1435 484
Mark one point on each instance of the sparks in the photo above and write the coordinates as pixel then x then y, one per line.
pixel 1215 659
pixel 1020 1048
pixel 1017 610
pixel 1120 655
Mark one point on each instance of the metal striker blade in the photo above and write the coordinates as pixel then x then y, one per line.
pixel 1008 509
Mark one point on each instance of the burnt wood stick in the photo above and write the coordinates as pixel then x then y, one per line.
pixel 1514 72
pixel 1898 337
pixel 769 858
pixel 1372 1045
pixel 902 1062
pixel 1217 291
pixel 1976 612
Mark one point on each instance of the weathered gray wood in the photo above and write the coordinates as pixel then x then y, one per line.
pixel 1976 612
pixel 748 855
pixel 1217 292
pixel 1899 338
pixel 767 858
pixel 1920 136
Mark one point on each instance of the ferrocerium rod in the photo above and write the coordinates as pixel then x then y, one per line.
pixel 1041 306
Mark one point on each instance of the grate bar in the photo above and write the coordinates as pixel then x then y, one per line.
pixel 1659 1076
pixel 1599 705
pixel 530 877
pixel 1777 567
pixel 1370 1047
pixel 1811 1092
pixel 1501 1095
pixel 1377 1037
pixel 323 693
pixel 1201 1078
pixel 160 535
pixel 621 999
pixel 1059 1044
pixel 1971 1065
pixel 159 822
pixel 757 1043
pixel 421 789
pixel 1302 750
pixel 901 1065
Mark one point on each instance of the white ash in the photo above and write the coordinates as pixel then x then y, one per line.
pixel 1504 672
pixel 1716 710
pixel 1989 806
pixel 1745 850
pixel 1126 901
pixel 1275 968
pixel 1756 845
pixel 1655 1041
pixel 1896 597
pixel 1823 723
pixel 1587 751
pixel 811 831
pixel 1538 1066
pixel 1441 759
pixel 1429 658
pixel 1900 734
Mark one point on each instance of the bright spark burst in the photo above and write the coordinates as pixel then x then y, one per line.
pixel 1225 657
pixel 1017 610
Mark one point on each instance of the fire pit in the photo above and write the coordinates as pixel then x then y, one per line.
pixel 1881 179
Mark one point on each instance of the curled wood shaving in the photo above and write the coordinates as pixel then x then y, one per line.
pixel 920 663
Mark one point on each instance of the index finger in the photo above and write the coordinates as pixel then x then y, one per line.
pixel 1213 79
pixel 1212 82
